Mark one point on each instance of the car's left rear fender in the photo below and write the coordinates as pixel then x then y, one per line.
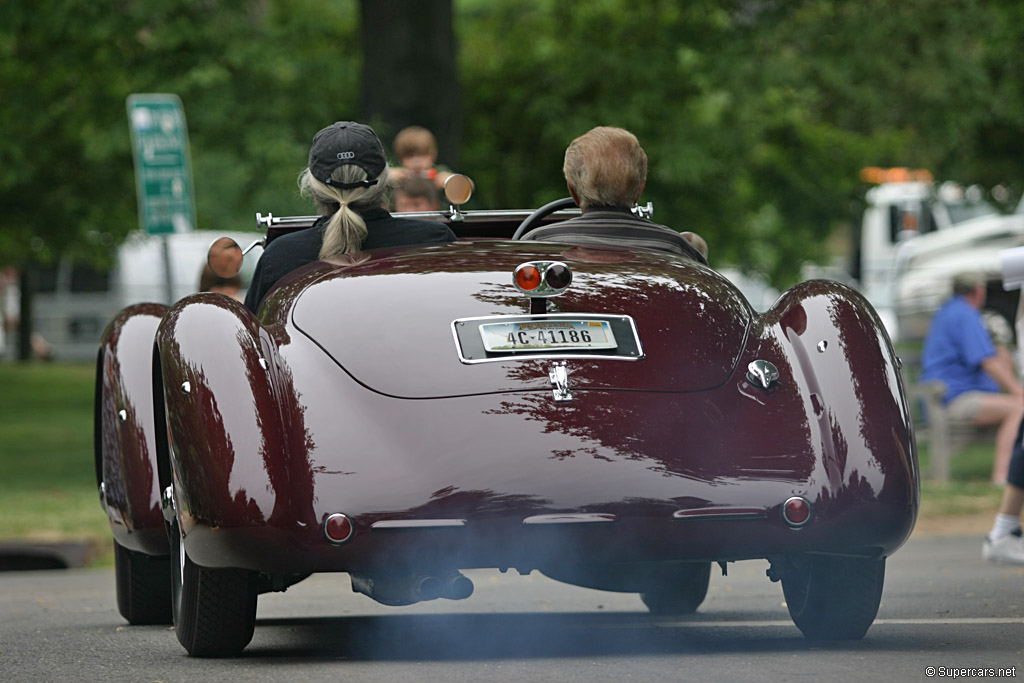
pixel 124 433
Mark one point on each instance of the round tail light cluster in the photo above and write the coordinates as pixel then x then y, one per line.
pixel 796 511
pixel 542 278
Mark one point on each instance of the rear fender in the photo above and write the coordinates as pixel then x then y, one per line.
pixel 828 341
pixel 124 434
pixel 226 447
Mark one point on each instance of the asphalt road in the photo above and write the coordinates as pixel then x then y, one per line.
pixel 942 607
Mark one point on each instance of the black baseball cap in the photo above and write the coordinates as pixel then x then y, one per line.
pixel 342 143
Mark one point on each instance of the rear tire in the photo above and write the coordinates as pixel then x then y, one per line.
pixel 834 598
pixel 682 593
pixel 143 586
pixel 214 609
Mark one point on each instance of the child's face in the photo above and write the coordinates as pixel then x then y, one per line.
pixel 419 162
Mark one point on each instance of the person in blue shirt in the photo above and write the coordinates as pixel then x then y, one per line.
pixel 959 351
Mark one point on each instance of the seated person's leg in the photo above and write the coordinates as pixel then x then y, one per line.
pixel 1005 411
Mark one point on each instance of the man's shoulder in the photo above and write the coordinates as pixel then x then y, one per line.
pixel 956 312
pixel 616 228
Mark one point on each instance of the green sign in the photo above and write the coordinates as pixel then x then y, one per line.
pixel 163 168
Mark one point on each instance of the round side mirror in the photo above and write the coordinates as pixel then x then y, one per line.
pixel 458 189
pixel 225 257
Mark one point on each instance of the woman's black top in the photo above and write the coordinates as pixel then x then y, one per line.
pixel 288 252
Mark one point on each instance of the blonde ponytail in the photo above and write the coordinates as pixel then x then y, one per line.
pixel 346 230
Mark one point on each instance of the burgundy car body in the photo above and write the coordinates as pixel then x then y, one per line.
pixel 364 408
pixel 349 394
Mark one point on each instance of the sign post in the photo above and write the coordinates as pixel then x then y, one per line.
pixel 163 169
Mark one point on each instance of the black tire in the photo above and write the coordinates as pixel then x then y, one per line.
pixel 681 593
pixel 143 586
pixel 834 598
pixel 214 609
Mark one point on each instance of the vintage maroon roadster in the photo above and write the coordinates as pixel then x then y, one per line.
pixel 618 418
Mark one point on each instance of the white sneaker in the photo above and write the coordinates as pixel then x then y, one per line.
pixel 1008 549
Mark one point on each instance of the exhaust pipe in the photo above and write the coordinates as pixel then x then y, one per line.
pixel 398 590
pixel 428 587
pixel 457 586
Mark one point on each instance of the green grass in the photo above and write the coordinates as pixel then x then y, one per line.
pixel 48 483
pixel 969 489
pixel 47 476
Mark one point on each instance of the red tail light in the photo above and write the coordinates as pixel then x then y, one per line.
pixel 796 511
pixel 528 277
pixel 338 528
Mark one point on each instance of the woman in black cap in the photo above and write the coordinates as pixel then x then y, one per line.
pixel 347 177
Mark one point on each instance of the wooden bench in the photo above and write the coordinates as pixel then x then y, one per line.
pixel 945 435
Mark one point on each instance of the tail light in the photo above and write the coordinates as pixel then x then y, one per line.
pixel 527 277
pixel 338 528
pixel 796 511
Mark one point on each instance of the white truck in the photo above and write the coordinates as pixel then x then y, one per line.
pixel 916 236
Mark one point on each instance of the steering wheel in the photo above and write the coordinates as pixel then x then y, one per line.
pixel 531 221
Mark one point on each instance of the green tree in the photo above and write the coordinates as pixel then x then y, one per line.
pixel 255 78
pixel 756 117
pixel 409 71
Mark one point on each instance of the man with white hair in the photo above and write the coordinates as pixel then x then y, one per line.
pixel 959 351
pixel 606 170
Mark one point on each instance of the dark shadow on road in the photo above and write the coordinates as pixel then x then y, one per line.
pixel 525 636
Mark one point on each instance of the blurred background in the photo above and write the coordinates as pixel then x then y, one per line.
pixel 759 118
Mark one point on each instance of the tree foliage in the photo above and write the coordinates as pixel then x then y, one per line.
pixel 256 78
pixel 756 116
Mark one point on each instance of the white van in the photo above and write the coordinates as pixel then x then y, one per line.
pixel 74 302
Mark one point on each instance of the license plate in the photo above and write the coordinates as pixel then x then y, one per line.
pixel 541 335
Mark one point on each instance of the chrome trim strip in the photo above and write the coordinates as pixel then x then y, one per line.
pixel 721 513
pixel 548 356
pixel 392 524
pixel 571 518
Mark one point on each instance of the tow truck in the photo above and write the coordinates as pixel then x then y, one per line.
pixel 916 235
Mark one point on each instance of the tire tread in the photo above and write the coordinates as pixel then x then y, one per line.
pixel 143 586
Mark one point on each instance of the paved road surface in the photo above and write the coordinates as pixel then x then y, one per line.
pixel 942 607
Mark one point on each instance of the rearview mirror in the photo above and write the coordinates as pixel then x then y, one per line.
pixel 225 257
pixel 458 189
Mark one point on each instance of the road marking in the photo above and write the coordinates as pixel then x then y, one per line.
pixel 954 620
pixel 942 621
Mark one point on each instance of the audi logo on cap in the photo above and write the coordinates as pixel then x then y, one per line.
pixel 346 155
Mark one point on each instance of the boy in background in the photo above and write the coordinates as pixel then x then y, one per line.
pixel 416 151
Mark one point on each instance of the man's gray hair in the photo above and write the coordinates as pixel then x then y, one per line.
pixel 606 167
pixel 964 283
